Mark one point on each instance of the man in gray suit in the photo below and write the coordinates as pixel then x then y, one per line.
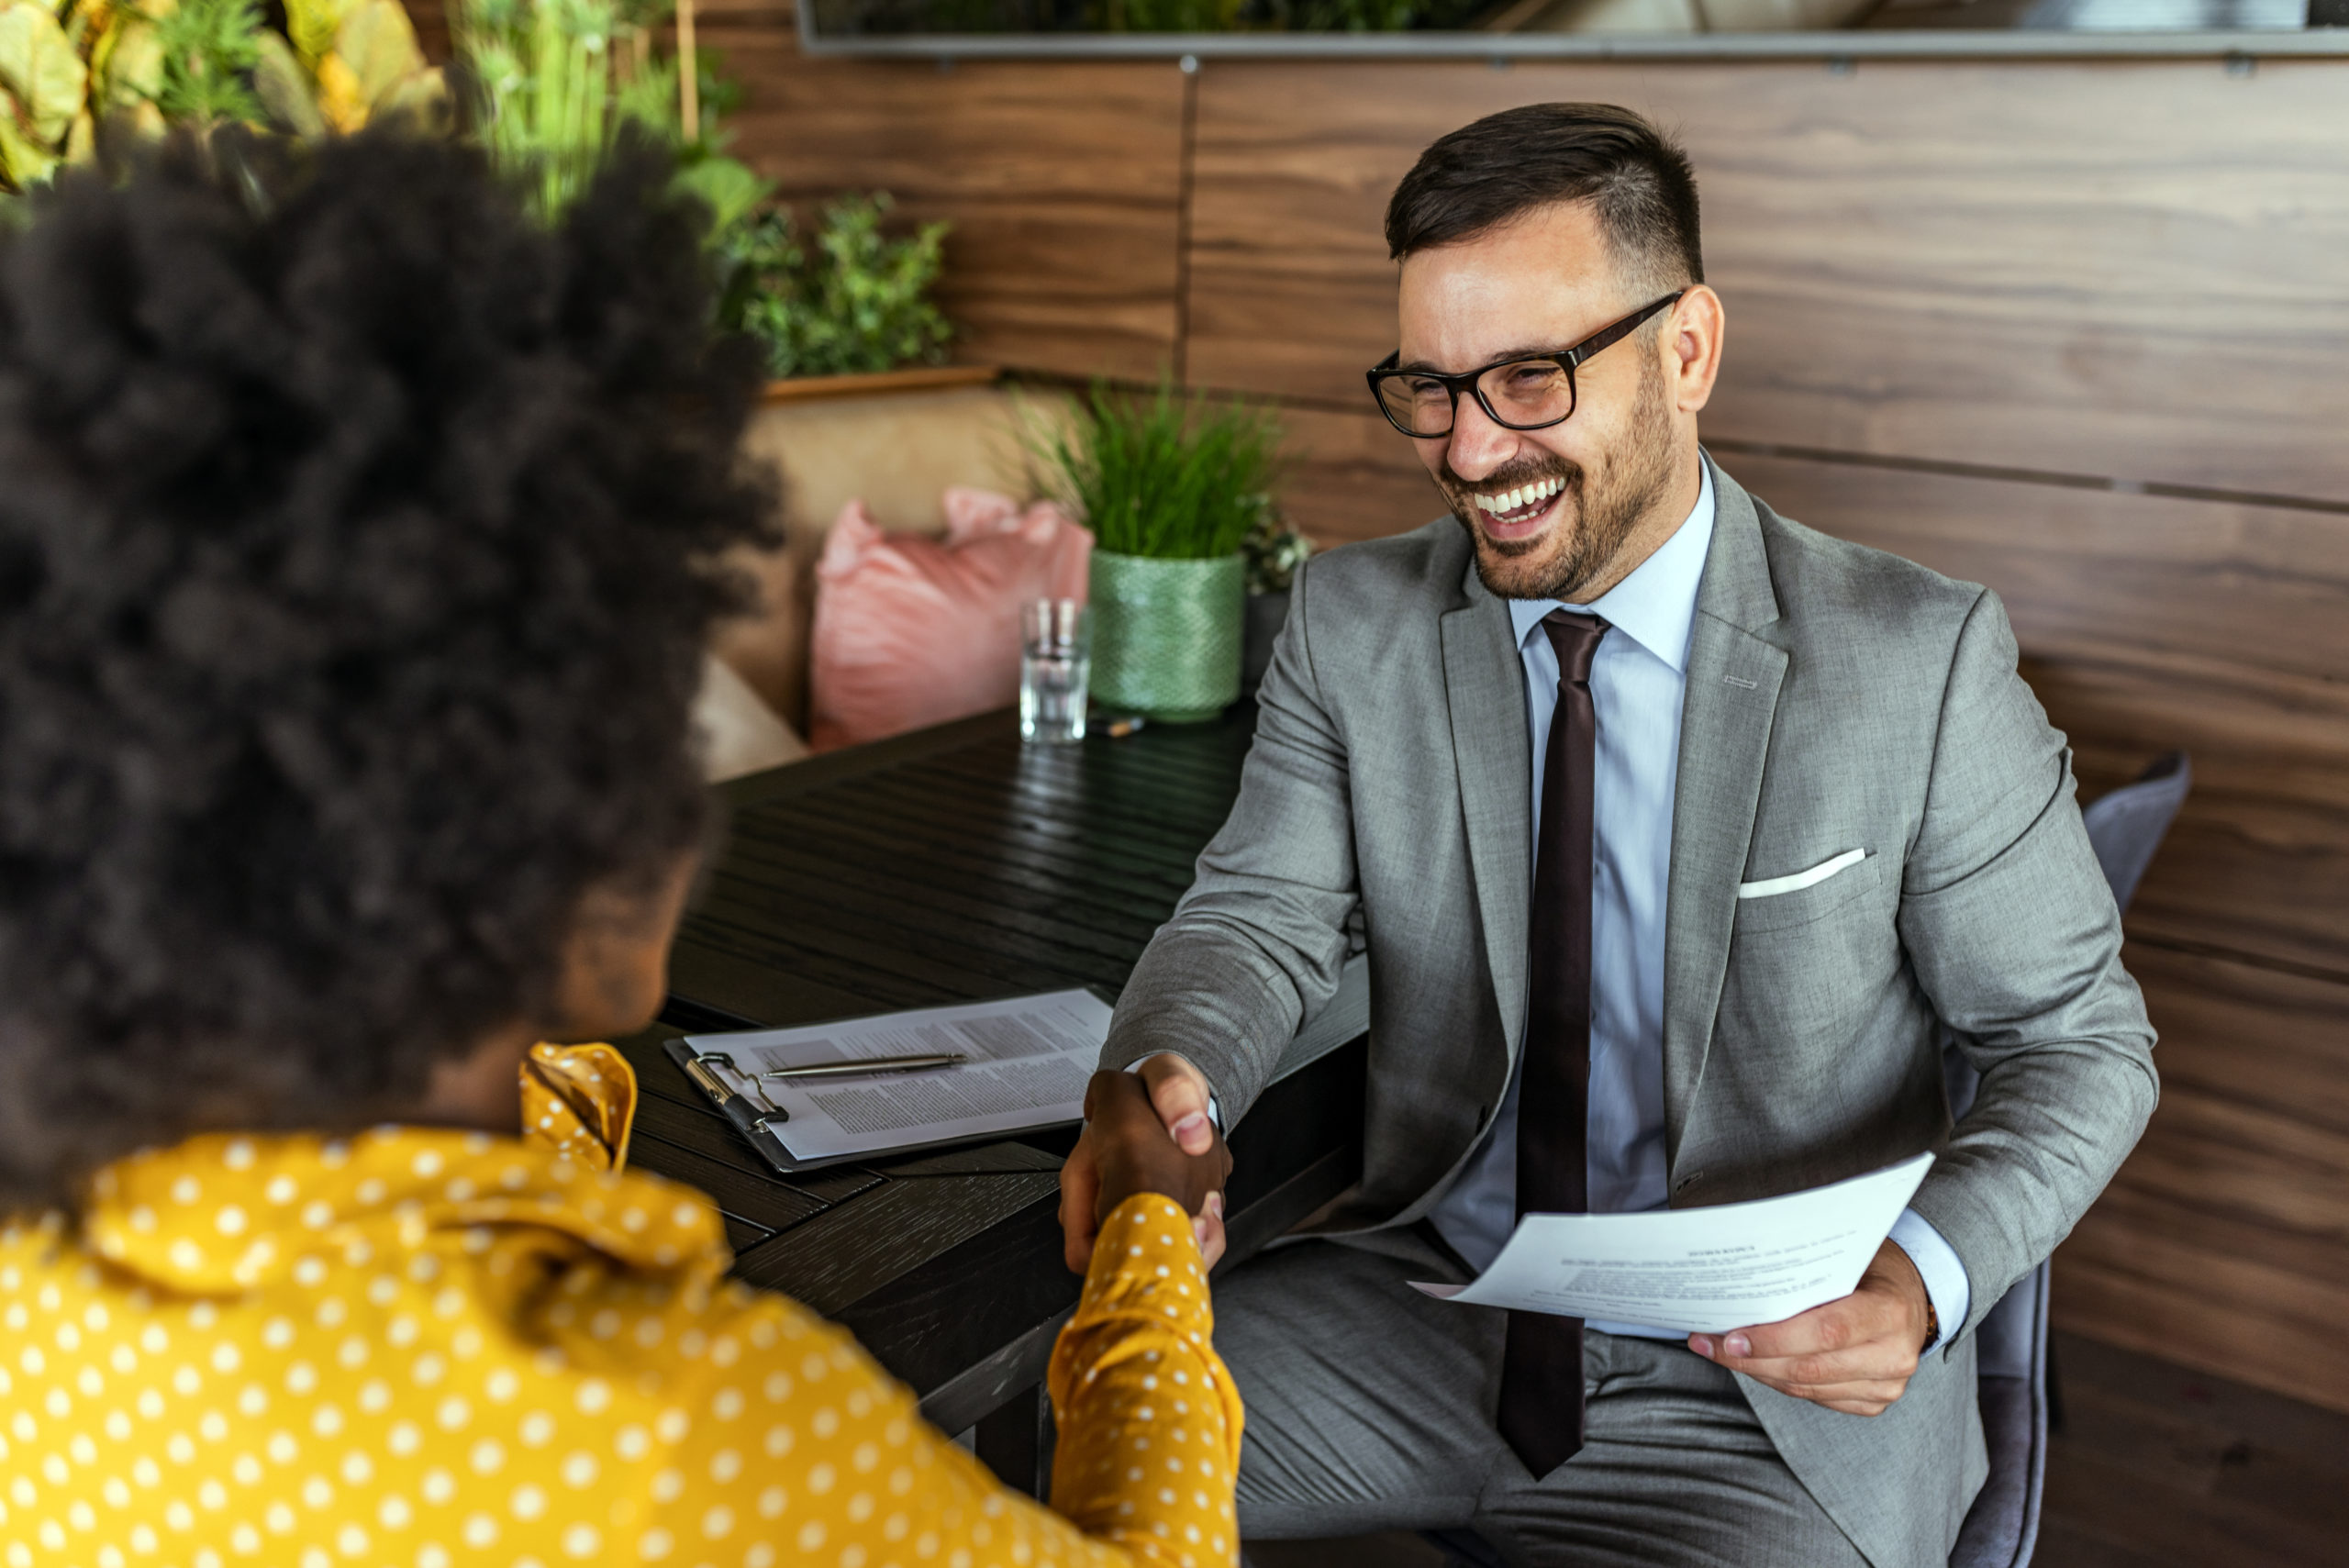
pixel 1682 836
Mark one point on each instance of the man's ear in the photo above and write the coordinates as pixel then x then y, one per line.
pixel 1691 347
pixel 616 956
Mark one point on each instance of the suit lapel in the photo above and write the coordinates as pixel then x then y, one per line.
pixel 1732 695
pixel 1484 685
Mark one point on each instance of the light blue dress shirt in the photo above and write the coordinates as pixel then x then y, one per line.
pixel 1638 682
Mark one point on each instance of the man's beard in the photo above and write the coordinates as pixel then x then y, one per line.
pixel 1591 527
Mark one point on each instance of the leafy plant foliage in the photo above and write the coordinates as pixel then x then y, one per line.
pixel 854 300
pixel 547 74
pixel 1169 476
pixel 1273 554
pixel 70 69
pixel 209 49
pixel 556 80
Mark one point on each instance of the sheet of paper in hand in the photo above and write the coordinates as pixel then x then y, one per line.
pixel 1701 1271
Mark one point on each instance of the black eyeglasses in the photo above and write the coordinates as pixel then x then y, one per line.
pixel 1517 394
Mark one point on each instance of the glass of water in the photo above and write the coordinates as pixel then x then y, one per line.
pixel 1055 667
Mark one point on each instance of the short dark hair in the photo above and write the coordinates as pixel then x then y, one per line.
pixel 1482 175
pixel 356 564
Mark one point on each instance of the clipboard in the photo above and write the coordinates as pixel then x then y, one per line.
pixel 738 1096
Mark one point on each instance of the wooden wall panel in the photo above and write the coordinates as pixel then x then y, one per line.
pixel 2224 1242
pixel 1063 186
pixel 1351 477
pixel 2112 269
pixel 2219 585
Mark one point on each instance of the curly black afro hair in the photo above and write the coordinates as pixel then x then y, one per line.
pixel 358 545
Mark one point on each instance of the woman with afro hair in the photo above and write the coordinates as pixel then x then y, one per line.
pixel 358 548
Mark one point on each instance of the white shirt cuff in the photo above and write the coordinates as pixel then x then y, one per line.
pixel 1946 1285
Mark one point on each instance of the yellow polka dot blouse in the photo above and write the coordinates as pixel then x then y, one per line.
pixel 424 1348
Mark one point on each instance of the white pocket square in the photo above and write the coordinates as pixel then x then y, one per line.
pixel 1770 887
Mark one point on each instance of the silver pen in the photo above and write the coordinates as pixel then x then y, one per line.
pixel 869 1064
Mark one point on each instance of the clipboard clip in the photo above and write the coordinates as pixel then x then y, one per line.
pixel 698 1068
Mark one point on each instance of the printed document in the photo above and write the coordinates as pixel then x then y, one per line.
pixel 1028 1063
pixel 1701 1271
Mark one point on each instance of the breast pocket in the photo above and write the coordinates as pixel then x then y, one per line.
pixel 1806 1045
pixel 1770 905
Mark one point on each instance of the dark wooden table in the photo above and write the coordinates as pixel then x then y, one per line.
pixel 951 865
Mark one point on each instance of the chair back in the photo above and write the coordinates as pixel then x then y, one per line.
pixel 2126 824
pixel 2125 827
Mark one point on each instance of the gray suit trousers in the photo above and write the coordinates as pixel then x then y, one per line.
pixel 1370 1407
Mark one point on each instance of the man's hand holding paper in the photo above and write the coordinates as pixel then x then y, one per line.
pixel 1855 1354
pixel 1802 1292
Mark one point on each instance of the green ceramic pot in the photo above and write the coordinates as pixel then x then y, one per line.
pixel 1166 635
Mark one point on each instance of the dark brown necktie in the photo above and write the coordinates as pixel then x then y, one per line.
pixel 1541 1410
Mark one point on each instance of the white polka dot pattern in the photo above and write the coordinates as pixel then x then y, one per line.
pixel 427 1348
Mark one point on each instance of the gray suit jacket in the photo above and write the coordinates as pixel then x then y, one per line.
pixel 1838 698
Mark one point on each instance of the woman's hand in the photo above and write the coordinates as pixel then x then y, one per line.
pixel 1133 1153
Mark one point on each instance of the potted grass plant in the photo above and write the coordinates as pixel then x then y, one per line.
pixel 1171 487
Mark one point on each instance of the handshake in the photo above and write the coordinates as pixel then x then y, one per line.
pixel 1145 1131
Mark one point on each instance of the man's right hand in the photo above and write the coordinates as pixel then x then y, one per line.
pixel 1178 1093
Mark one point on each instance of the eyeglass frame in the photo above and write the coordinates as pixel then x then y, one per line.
pixel 1566 360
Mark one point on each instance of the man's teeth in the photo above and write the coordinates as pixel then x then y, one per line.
pixel 1524 495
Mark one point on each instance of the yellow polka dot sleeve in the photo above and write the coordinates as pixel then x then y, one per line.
pixel 1149 1421
pixel 802 1449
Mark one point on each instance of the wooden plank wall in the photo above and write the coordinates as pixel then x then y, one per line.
pixel 2075 330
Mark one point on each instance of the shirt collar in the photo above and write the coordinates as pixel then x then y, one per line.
pixel 223 1212
pixel 1655 606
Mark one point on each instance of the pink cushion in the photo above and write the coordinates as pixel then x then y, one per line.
pixel 912 632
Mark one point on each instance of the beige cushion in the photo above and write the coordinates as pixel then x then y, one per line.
pixel 896 451
pixel 736 732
